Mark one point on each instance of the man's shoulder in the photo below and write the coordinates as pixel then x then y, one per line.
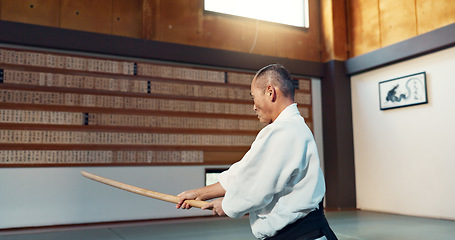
pixel 287 127
pixel 290 126
pixel 295 120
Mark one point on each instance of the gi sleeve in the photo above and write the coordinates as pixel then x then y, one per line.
pixel 265 169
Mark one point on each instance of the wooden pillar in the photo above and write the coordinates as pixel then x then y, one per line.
pixel 338 137
pixel 336 107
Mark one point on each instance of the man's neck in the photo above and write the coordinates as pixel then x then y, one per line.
pixel 280 108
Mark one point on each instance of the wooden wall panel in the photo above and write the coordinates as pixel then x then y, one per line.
pixel 398 21
pixel 149 16
pixel 248 34
pixel 285 41
pixel 432 14
pixel 185 22
pixel 87 15
pixel 379 23
pixel 363 25
pixel 340 31
pixel 310 47
pixel 266 41
pixel 179 21
pixel 222 32
pixel 176 21
pixel 220 158
pixel 44 12
pixel 327 29
pixel 127 18
pixel 295 43
pixel 372 24
pixel 334 32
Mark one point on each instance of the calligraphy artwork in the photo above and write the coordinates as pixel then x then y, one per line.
pixel 404 91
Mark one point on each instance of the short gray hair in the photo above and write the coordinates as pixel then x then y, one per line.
pixel 278 76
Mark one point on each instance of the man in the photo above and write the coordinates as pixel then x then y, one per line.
pixel 279 181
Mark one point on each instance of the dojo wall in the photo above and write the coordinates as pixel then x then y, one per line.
pixel 42 196
pixel 56 196
pixel 404 158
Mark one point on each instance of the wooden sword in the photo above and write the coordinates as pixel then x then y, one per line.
pixel 142 191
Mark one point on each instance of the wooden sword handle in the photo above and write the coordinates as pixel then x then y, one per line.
pixel 142 191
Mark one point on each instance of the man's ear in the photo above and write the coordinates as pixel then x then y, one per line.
pixel 271 93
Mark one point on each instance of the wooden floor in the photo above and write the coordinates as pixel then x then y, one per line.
pixel 347 225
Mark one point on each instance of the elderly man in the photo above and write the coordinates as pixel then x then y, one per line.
pixel 278 182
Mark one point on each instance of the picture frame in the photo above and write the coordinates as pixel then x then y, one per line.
pixel 403 91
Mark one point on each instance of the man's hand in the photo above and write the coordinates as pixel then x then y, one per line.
pixel 215 205
pixel 205 193
pixel 187 195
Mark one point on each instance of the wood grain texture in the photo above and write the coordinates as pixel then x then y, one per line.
pixel 364 32
pixel 41 12
pixel 212 157
pixel 339 31
pixel 379 23
pixel 432 15
pixel 185 22
pixel 87 15
pixel 149 14
pixel 436 40
pixel 266 40
pixel 398 21
pixel 179 21
pixel 220 32
pixel 334 31
pixel 296 43
pixel 371 24
pixel 127 18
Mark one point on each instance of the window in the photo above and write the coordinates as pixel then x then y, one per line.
pixel 289 12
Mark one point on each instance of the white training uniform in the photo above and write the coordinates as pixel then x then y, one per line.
pixel 279 180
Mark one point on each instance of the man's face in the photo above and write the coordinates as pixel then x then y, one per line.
pixel 261 103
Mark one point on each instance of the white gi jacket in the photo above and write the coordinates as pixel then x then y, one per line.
pixel 279 180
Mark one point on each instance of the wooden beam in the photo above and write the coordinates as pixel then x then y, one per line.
pixel 64 39
pixel 334 30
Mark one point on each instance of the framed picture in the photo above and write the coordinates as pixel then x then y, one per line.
pixel 404 91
